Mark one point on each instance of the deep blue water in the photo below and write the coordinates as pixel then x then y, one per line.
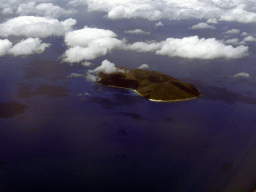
pixel 114 140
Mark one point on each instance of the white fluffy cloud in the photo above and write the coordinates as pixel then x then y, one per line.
pixel 242 74
pixel 105 67
pixel 232 31
pixel 244 34
pixel 202 26
pixel 239 14
pixel 91 77
pixel 32 26
pixel 214 21
pixel 108 67
pixel 5 46
pixel 25 47
pixel 249 38
pixel 28 47
pixel 234 41
pixel 212 10
pixel 7 11
pixel 191 47
pixel 43 9
pixel 137 32
pixel 144 47
pixel 143 66
pixel 76 75
pixel 159 24
pixel 89 43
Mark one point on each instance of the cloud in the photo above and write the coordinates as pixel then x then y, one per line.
pixel 242 74
pixel 232 31
pixel 159 24
pixel 25 47
pixel 75 75
pixel 32 26
pixel 214 21
pixel 105 67
pixel 191 47
pixel 108 67
pixel 234 41
pixel 83 37
pixel 89 43
pixel 249 38
pixel 137 31
pixel 86 64
pixel 211 10
pixel 244 34
pixel 238 14
pixel 28 47
pixel 202 26
pixel 5 46
pixel 143 66
pixel 144 47
pixel 91 77
pixel 43 9
pixel 7 11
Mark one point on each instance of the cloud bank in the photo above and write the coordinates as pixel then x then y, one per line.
pixel 191 47
pixel 43 9
pixel 89 43
pixel 212 10
pixel 32 26
pixel 25 47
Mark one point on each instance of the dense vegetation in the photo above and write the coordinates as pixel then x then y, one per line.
pixel 150 84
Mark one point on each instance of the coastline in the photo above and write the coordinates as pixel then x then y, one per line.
pixel 176 100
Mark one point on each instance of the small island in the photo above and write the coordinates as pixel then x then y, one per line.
pixel 152 85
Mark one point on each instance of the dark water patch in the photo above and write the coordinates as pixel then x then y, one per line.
pixel 50 70
pixel 132 115
pixel 26 91
pixel 121 132
pixel 3 163
pixel 118 100
pixel 11 109
pixel 226 166
pixel 221 94
pixel 104 102
pixel 244 81
pixel 168 119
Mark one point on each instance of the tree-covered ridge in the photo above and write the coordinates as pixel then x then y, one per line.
pixel 151 84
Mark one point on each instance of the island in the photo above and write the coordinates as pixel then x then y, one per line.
pixel 152 85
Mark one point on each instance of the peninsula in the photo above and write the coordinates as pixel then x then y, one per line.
pixel 152 85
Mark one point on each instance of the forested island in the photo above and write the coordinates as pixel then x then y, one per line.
pixel 152 85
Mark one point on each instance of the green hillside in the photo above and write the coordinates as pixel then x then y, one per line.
pixel 151 84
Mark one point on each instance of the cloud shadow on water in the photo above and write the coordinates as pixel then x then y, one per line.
pixel 50 70
pixel 11 109
pixel 118 100
pixel 210 92
pixel 26 90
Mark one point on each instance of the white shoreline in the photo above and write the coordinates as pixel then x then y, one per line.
pixel 176 100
